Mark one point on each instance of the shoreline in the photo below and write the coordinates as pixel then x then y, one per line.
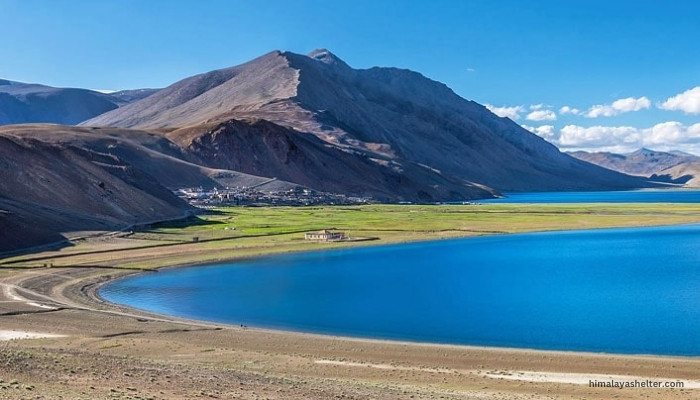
pixel 161 356
pixel 360 339
pixel 96 296
pixel 366 339
pixel 102 331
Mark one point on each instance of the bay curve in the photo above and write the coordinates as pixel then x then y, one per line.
pixel 628 290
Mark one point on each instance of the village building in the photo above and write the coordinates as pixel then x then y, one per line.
pixel 325 235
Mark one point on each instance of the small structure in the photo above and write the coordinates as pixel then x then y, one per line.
pixel 325 236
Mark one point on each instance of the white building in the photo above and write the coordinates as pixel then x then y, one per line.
pixel 325 235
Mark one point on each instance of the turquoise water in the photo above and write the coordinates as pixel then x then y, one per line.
pixel 631 196
pixel 612 290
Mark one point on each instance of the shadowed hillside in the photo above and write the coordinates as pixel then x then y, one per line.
pixel 260 147
pixel 56 179
pixel 54 188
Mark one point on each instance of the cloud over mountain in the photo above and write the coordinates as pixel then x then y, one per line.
pixel 506 112
pixel 666 135
pixel 538 112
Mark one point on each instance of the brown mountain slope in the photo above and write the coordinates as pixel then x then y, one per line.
pixel 687 174
pixel 262 148
pixel 56 179
pixel 205 97
pixel 387 114
pixel 147 151
pixel 53 188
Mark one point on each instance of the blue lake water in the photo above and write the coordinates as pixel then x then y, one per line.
pixel 610 290
pixel 631 196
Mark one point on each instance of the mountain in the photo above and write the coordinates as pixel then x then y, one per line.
pixel 320 120
pixel 47 185
pixel 674 166
pixel 687 173
pixel 314 121
pixel 681 153
pixel 30 103
pixel 27 102
pixel 58 179
pixel 124 97
pixel 263 148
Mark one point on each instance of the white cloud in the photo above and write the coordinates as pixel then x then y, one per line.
pixel 598 136
pixel 509 112
pixel 541 115
pixel 688 101
pixel 673 132
pixel 620 106
pixel 631 104
pixel 569 110
pixel 600 111
pixel 536 106
pixel 666 132
pixel 546 132
pixel 671 135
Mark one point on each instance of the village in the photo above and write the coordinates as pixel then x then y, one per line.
pixel 250 196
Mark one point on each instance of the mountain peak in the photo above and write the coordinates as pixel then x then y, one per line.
pixel 644 151
pixel 325 56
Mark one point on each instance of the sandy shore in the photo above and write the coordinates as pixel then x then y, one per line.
pixel 91 349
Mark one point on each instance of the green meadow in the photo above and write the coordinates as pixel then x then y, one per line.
pixel 241 232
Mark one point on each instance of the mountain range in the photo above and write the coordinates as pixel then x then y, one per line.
pixel 310 120
pixel 673 167
pixel 388 117
pixel 29 102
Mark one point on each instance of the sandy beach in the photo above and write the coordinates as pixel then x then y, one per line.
pixel 60 340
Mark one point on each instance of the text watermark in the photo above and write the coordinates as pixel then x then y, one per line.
pixel 636 383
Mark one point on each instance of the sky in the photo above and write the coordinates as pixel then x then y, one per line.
pixel 585 75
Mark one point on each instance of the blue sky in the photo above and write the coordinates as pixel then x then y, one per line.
pixel 628 71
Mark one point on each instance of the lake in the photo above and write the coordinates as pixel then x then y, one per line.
pixel 609 290
pixel 629 196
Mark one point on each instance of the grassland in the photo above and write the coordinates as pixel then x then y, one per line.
pixel 241 232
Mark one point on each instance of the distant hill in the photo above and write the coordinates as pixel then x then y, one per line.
pixel 687 173
pixel 442 146
pixel 124 97
pixel 674 166
pixel 31 103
